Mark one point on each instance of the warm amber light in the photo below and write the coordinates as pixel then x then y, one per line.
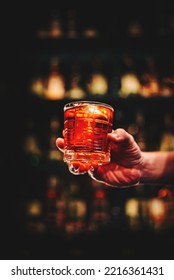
pixel 130 84
pixel 98 84
pixel 55 89
pixel 34 208
pixel 165 192
pixel 100 194
pixel 131 208
pixel 157 209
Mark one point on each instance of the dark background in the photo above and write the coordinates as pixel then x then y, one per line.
pixel 19 22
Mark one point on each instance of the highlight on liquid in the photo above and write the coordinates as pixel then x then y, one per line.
pixel 86 125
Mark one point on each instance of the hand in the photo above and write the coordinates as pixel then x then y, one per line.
pixel 124 168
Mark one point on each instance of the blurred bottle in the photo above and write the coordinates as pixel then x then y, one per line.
pixel 55 130
pixel 100 216
pixel 56 26
pixel 90 29
pixel 167 85
pixel 61 213
pixel 150 80
pixel 138 130
pixel 52 190
pixel 97 84
pixel 55 86
pixel 72 32
pixel 132 213
pixel 37 87
pixel 76 210
pixel 31 145
pixel 75 90
pixel 166 194
pixel 35 223
pixel 167 137
pixel 129 81
pixel 157 213
pixel 53 28
pixel 167 80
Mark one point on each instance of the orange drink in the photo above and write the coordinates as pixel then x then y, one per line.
pixel 86 125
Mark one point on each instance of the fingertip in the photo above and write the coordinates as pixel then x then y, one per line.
pixel 60 143
pixel 118 135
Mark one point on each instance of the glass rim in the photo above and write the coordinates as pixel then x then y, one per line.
pixel 86 102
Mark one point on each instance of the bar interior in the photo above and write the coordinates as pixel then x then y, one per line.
pixel 55 52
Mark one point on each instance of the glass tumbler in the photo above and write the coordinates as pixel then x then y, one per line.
pixel 86 125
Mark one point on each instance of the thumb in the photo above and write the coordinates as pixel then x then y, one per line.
pixel 122 137
pixel 60 144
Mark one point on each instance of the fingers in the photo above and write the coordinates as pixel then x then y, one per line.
pixel 60 144
pixel 115 175
pixel 120 135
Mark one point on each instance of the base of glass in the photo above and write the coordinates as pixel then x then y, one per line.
pixel 96 158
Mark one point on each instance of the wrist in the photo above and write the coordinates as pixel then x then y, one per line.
pixel 150 172
pixel 157 167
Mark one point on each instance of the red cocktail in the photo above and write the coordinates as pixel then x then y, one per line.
pixel 86 125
